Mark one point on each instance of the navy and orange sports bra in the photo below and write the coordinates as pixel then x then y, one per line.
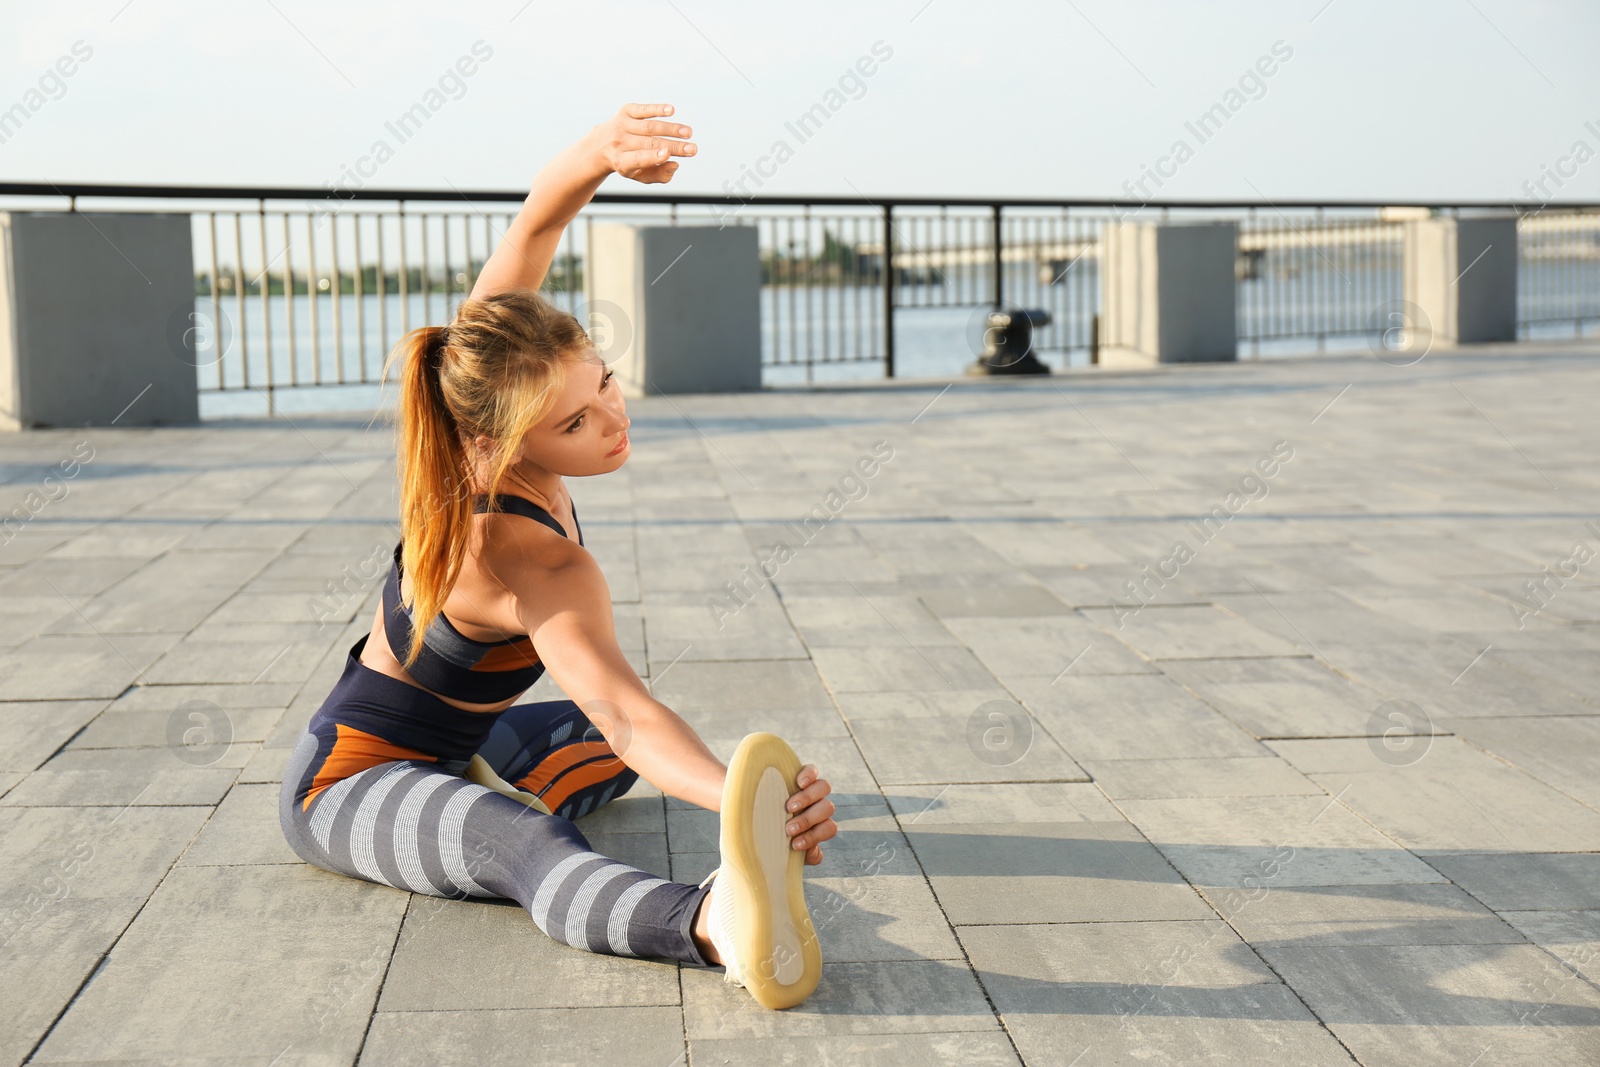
pixel 452 664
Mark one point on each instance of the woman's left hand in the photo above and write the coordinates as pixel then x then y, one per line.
pixel 811 814
pixel 638 143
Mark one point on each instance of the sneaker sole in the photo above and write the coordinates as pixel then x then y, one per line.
pixel 774 932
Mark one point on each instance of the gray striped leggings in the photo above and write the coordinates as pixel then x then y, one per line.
pixel 356 800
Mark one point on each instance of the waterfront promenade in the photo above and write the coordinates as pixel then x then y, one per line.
pixel 1240 714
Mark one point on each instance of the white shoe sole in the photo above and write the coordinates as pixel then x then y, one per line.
pixel 780 960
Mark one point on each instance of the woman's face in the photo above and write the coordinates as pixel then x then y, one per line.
pixel 586 430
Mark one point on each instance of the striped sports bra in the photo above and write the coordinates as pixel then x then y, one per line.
pixel 452 664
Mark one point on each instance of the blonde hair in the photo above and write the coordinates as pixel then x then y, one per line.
pixel 494 372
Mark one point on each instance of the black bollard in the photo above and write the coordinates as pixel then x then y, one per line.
pixel 1008 343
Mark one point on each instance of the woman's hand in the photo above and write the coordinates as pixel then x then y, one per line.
pixel 812 822
pixel 637 144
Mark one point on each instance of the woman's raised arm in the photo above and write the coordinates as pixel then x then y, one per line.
pixel 637 142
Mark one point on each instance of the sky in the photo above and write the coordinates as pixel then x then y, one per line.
pixel 1416 100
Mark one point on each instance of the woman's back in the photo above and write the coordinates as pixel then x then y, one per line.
pixel 475 656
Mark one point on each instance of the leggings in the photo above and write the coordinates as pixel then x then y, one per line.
pixel 374 790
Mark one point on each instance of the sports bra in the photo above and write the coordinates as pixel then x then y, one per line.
pixel 452 664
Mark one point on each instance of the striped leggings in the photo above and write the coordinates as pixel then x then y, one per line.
pixel 366 794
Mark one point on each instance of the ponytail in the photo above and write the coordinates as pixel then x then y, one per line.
pixel 435 509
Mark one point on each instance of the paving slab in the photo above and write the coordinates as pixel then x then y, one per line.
pixel 1512 881
pixel 903 668
pixel 1231 777
pixel 1279 697
pixel 1001 803
pixel 625 1036
pixel 1573 937
pixel 34 730
pixel 1398 914
pixel 73 667
pixel 1110 717
pixel 860 1050
pixel 1440 1004
pixel 1036 872
pixel 889 997
pixel 1275 841
pixel 1559 751
pixel 994 742
pixel 1044 645
pixel 1146 992
pixel 71 880
pixel 244 961
pixel 1207 632
pixel 474 955
pixel 1445 795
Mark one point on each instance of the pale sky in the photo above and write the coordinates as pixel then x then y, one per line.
pixel 1409 100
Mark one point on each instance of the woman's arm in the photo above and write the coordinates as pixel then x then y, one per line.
pixel 634 143
pixel 575 635
pixel 576 638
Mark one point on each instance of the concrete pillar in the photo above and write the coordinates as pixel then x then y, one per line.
pixel 681 305
pixel 1167 293
pixel 1461 279
pixel 93 312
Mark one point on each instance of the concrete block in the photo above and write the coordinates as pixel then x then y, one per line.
pixel 684 304
pixel 1168 293
pixel 93 312
pixel 1461 280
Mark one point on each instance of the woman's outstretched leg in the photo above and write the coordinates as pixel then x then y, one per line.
pixel 406 823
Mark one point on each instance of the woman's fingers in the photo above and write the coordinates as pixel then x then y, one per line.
pixel 645 111
pixel 815 834
pixel 813 788
pixel 658 128
pixel 652 153
pixel 816 813
pixel 638 160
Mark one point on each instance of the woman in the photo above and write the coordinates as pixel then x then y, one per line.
pixel 418 771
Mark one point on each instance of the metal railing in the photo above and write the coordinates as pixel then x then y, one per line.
pixel 304 287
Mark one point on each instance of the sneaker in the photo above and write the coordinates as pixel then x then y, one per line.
pixel 759 922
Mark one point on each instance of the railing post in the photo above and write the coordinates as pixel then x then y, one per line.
pixel 999 272
pixel 888 291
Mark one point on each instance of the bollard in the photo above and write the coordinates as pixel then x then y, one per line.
pixel 1008 343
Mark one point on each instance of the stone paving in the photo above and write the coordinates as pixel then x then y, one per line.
pixel 1322 785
